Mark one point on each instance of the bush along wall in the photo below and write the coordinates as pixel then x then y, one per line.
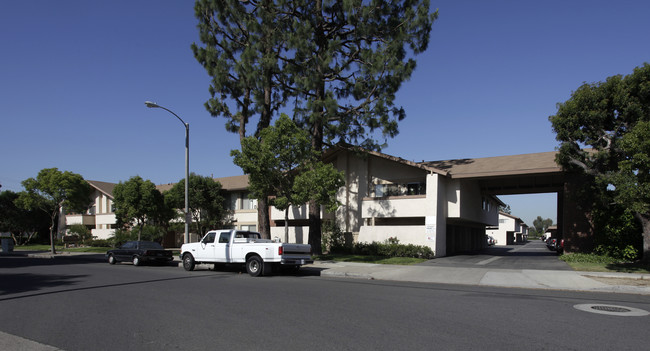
pixel 392 248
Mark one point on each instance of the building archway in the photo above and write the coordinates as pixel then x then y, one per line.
pixel 529 174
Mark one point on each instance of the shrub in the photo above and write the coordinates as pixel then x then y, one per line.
pixel 387 249
pixel 121 236
pixel 100 243
pixel 81 231
pixel 628 253
pixel 588 258
pixel 149 233
pixel 617 234
pixel 333 238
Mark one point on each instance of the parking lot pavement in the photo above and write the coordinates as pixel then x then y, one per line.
pixel 532 255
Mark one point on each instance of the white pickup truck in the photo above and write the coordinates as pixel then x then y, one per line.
pixel 235 246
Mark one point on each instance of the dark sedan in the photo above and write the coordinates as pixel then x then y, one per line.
pixel 139 252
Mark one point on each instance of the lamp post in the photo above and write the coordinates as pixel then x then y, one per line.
pixel 187 167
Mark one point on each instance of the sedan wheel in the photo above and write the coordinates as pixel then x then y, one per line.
pixel 111 259
pixel 136 260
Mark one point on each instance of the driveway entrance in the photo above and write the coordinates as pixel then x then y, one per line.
pixel 531 255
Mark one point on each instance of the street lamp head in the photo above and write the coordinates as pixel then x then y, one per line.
pixel 151 104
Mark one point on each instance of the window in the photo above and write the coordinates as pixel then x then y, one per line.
pixel 382 190
pixel 248 228
pixel 209 238
pixel 224 238
pixel 486 204
pixel 232 201
pixel 416 189
pixel 400 189
pixel 248 203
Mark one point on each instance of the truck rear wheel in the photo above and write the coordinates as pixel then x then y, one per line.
pixel 254 266
pixel 188 262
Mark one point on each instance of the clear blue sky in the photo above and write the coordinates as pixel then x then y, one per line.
pixel 74 76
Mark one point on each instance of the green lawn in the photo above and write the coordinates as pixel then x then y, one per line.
pixel 60 248
pixel 610 267
pixel 596 263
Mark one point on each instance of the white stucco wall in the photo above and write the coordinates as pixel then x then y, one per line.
pixel 298 235
pixel 102 233
pixel 506 225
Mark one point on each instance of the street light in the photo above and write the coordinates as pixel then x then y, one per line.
pixel 187 167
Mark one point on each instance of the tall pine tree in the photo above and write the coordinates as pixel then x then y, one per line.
pixel 347 60
pixel 242 43
pixel 341 62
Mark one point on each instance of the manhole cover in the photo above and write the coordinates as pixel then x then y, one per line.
pixel 612 310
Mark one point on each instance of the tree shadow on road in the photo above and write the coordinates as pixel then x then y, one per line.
pixel 24 282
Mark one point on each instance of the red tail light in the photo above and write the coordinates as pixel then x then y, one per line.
pixel 280 250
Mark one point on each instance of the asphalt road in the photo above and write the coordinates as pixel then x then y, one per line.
pixel 532 255
pixel 76 305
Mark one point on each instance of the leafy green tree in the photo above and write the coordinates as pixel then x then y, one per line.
pixel 540 225
pixel 280 163
pixel 53 191
pixel 10 214
pixel 138 200
pixel 505 209
pixel 618 232
pixel 612 118
pixel 206 201
pixel 347 61
pixel 21 223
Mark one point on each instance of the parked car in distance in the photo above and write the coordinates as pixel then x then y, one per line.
pixel 490 240
pixel 559 246
pixel 139 252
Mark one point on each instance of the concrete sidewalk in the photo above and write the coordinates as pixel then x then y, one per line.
pixel 629 283
pixel 510 278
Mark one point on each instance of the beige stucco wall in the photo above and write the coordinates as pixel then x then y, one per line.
pixel 465 201
pixel 445 198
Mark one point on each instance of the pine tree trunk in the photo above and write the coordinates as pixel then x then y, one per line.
pixel 317 125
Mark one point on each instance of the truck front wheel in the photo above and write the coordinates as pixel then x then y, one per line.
pixel 188 262
pixel 254 266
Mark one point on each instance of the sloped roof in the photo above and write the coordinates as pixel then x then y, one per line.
pixel 543 162
pixel 164 187
pixel 350 148
pixel 227 183
pixel 234 182
pixel 510 216
pixel 104 187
